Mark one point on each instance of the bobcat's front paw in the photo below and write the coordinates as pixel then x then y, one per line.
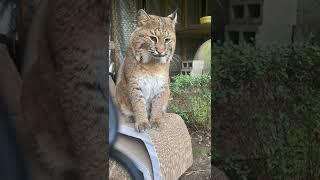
pixel 155 123
pixel 142 125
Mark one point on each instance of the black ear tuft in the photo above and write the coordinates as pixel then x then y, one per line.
pixel 173 16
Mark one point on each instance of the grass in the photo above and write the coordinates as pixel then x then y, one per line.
pixel 192 99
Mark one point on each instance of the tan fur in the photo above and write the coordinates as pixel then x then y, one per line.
pixel 64 103
pixel 142 89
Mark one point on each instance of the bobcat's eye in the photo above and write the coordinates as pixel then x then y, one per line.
pixel 167 40
pixel 153 38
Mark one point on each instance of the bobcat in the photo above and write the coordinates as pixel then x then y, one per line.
pixel 63 130
pixel 142 88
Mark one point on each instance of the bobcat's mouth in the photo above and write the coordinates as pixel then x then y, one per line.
pixel 159 55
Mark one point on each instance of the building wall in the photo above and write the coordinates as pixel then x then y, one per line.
pixel 308 20
pixel 279 20
pixel 220 17
pixel 276 20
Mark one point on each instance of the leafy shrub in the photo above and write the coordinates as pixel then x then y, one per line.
pixel 267 111
pixel 192 99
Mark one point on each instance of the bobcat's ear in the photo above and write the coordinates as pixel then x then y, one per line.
pixel 142 17
pixel 173 16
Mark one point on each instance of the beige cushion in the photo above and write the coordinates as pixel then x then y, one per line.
pixel 167 154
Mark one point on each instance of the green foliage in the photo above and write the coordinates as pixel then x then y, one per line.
pixel 192 99
pixel 237 169
pixel 267 98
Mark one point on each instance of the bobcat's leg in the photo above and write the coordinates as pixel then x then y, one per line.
pixel 138 104
pixel 122 103
pixel 159 106
pixel 126 113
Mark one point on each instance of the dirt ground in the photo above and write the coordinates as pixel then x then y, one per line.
pixel 201 147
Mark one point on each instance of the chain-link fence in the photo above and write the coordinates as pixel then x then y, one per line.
pixel 124 13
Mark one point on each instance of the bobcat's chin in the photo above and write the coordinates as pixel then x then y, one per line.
pixel 160 59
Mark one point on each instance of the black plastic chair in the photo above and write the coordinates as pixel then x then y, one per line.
pixel 124 161
pixel 12 166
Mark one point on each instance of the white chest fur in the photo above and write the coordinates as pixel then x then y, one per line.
pixel 151 86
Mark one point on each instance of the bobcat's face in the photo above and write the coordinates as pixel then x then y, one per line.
pixel 155 39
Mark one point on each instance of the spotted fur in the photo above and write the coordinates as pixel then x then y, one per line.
pixel 64 92
pixel 142 89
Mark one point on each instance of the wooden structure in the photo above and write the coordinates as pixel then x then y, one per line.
pixel 190 33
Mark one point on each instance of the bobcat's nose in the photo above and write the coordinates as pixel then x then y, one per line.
pixel 161 51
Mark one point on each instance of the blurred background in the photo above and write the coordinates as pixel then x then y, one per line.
pixel 265 89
